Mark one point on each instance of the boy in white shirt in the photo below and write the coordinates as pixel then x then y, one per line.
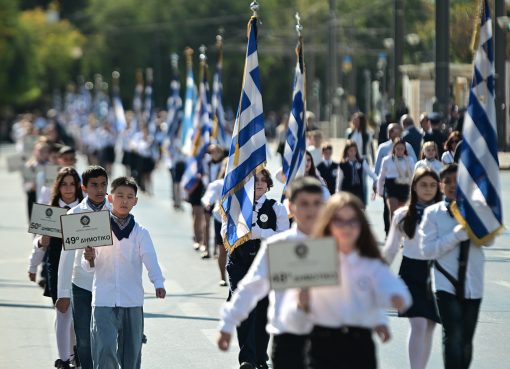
pixel 116 327
pixel 457 275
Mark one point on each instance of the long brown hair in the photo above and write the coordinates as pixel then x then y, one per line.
pixel 366 243
pixel 348 145
pixel 410 220
pixel 55 190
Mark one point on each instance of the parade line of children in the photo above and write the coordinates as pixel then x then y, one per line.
pixel 98 294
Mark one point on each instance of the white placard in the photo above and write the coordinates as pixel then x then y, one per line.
pixel 86 229
pixel 50 173
pixel 28 144
pixel 15 163
pixel 303 263
pixel 29 173
pixel 45 220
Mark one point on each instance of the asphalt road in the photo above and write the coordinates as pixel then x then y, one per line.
pixel 181 329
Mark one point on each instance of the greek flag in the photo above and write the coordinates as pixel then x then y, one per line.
pixel 295 144
pixel 118 111
pixel 201 138
pixel 189 109
pixel 478 205
pixel 174 109
pixel 148 108
pixel 247 151
pixel 218 133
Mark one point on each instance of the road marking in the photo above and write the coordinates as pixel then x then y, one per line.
pixel 502 283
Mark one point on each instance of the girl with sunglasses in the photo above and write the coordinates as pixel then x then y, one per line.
pixel 341 318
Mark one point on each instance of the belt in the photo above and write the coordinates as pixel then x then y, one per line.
pixel 342 330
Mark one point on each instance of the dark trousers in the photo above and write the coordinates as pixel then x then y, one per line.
pixel 342 348
pixel 82 311
pixel 31 198
pixel 459 320
pixel 289 351
pixel 251 334
pixel 386 216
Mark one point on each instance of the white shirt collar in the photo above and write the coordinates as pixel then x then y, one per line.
pixel 62 204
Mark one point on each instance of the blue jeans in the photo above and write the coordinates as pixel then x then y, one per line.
pixel 459 320
pixel 116 336
pixel 251 334
pixel 82 300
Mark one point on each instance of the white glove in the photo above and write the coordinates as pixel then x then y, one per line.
pixel 460 233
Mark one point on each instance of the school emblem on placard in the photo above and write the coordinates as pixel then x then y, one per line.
pixel 49 212
pixel 301 250
pixel 85 220
pixel 264 218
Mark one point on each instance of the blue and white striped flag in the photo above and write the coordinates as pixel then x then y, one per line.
pixel 295 144
pixel 247 151
pixel 201 137
pixel 148 106
pixel 174 109
pixel 218 133
pixel 120 116
pixel 478 205
pixel 189 111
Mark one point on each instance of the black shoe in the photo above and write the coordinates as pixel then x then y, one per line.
pixel 262 366
pixel 75 360
pixel 60 364
pixel 246 365
pixel 205 255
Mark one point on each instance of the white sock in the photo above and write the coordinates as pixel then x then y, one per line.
pixel 63 323
pixel 420 342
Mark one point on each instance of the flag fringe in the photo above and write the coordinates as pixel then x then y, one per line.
pixel 472 236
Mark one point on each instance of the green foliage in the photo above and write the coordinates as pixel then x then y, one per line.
pixel 36 55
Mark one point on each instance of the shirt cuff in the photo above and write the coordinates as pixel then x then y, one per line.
pixel 159 284
pixel 64 294
pixel 226 327
pixel 32 269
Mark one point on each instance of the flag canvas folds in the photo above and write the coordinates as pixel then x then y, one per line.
pixel 295 143
pixel 478 203
pixel 247 153
pixel 201 138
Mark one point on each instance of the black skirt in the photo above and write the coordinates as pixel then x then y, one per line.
pixel 396 190
pixel 127 158
pixel 416 275
pixel 107 155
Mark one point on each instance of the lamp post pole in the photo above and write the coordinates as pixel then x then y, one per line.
pixel 442 65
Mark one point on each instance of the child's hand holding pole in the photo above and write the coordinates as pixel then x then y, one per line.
pixel 90 255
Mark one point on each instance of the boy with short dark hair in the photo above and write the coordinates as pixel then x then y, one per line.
pixel 72 279
pixel 457 276
pixel 305 201
pixel 117 293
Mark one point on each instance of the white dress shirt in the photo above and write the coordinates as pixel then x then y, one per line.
pixel 435 165
pixel 365 289
pixel 397 238
pixel 118 270
pixel 384 150
pixel 212 196
pixel 447 158
pixel 254 287
pixel 441 235
pixel 392 168
pixel 69 267
pixel 282 220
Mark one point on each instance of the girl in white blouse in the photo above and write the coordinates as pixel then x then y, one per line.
pixel 343 316
pixel 414 269
pixel 395 177
pixel 449 148
pixel 429 158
